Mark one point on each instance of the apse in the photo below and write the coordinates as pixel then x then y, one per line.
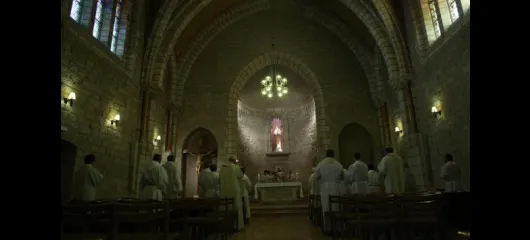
pixel 277 128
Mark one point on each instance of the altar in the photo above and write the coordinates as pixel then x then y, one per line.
pixel 270 192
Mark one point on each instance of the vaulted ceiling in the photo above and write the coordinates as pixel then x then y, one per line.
pixel 217 7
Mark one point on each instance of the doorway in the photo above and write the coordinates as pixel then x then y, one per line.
pixel 68 154
pixel 355 138
pixel 199 149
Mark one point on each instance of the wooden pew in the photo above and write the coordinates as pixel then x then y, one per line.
pixel 86 220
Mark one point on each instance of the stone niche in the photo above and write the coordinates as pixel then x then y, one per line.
pixel 299 139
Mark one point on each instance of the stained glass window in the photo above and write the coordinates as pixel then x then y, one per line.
pixel 435 19
pixel 75 11
pixel 116 27
pixel 453 9
pixel 97 19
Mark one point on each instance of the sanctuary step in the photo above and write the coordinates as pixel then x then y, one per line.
pixel 298 207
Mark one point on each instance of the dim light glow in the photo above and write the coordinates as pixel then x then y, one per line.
pixel 117 117
pixel 71 96
pixel 158 138
pixel 434 109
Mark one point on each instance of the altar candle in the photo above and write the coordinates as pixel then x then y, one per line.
pixel 258 177
pixel 296 176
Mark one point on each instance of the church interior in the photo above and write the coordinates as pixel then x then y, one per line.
pixel 275 83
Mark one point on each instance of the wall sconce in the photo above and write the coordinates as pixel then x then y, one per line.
pixel 116 120
pixel 70 99
pixel 157 139
pixel 436 112
pixel 398 131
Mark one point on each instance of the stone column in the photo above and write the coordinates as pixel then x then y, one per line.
pixel 385 125
pixel 146 108
pixel 409 105
pixel 169 131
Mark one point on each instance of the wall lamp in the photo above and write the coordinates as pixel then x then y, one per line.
pixel 116 120
pixel 157 140
pixel 70 99
pixel 398 130
pixel 436 112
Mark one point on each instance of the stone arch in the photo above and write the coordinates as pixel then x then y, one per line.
pixel 358 49
pixel 376 28
pixel 199 140
pixel 355 138
pixel 301 69
pixel 207 35
pixel 157 61
pixel 388 16
pixel 203 39
pixel 166 11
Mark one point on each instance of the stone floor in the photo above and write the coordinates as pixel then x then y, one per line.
pixel 280 227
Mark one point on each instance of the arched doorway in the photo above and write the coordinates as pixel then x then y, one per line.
pixel 355 138
pixel 199 147
pixel 68 153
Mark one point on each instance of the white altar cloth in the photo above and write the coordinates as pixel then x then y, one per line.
pixel 277 184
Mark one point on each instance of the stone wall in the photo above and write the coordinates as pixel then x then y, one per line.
pixel 106 85
pixel 103 89
pixel 442 79
pixel 345 88
pixel 300 139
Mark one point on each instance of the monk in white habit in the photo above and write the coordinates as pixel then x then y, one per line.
pixel 451 174
pixel 391 167
pixel 86 179
pixel 358 174
pixel 208 182
pixel 174 184
pixel 154 180
pixel 229 187
pixel 245 186
pixel 313 183
pixel 373 180
pixel 330 174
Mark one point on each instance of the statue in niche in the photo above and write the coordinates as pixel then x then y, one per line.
pixel 276 135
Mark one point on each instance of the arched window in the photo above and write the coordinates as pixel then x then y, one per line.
pixel 81 11
pixel 108 21
pixel 98 17
pixel 439 15
pixel 119 29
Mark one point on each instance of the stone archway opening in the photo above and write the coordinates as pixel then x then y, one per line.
pixel 199 149
pixel 354 138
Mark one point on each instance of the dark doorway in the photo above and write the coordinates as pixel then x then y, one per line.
pixel 355 138
pixel 199 147
pixel 68 154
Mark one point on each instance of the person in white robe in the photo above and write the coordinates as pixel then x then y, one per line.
pixel 154 180
pixel 174 184
pixel 245 186
pixel 229 187
pixel 410 180
pixel 391 169
pixel 330 173
pixel 208 182
pixel 373 180
pixel 358 176
pixel 86 179
pixel 313 183
pixel 451 174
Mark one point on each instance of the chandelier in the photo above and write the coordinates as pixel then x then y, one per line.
pixel 274 83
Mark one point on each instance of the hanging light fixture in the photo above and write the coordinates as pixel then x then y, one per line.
pixel 274 82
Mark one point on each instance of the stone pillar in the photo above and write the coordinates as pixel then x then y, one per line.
pixel 385 125
pixel 169 130
pixel 409 105
pixel 146 108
